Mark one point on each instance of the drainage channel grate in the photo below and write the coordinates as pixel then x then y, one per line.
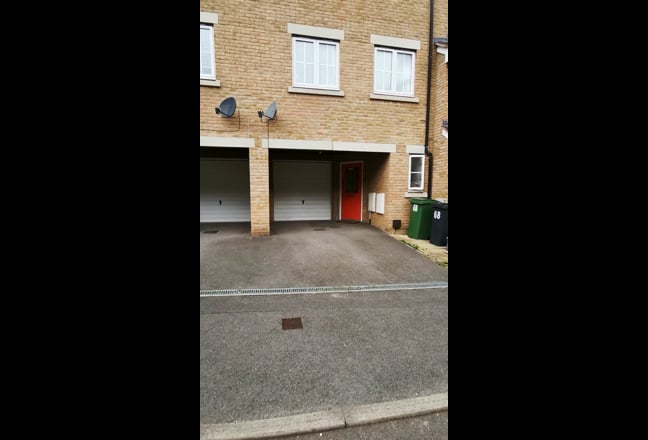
pixel 291 323
pixel 210 232
pixel 327 289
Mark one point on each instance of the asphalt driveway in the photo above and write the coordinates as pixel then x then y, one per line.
pixel 354 349
pixel 309 253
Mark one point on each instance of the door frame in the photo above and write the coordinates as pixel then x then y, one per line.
pixel 361 162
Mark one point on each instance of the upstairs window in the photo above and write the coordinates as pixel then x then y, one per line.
pixel 316 63
pixel 207 63
pixel 394 71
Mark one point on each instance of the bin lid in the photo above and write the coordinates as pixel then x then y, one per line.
pixel 416 201
pixel 439 204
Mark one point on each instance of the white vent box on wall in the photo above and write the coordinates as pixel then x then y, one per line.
pixel 380 203
pixel 372 202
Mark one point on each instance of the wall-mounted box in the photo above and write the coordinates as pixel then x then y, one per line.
pixel 371 205
pixel 380 203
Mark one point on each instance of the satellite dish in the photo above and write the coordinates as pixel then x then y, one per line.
pixel 227 107
pixel 271 111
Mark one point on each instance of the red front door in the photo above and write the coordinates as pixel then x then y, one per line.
pixel 351 191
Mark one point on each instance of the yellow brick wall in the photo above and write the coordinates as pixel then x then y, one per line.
pixel 439 112
pixel 375 180
pixel 259 182
pixel 254 64
pixel 440 18
pixel 439 105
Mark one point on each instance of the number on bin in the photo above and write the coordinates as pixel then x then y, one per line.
pixel 437 214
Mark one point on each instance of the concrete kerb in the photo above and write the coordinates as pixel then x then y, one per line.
pixel 438 254
pixel 325 420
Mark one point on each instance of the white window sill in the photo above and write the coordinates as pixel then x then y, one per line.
pixel 393 98
pixel 315 91
pixel 415 194
pixel 210 82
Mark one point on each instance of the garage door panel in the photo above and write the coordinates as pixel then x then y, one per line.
pixel 224 210
pixel 302 190
pixel 224 190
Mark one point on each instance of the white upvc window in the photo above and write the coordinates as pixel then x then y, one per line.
pixel 416 162
pixel 394 71
pixel 316 63
pixel 207 62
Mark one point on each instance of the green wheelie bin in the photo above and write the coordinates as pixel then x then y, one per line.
pixel 420 219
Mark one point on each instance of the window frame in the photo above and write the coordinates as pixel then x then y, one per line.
pixel 422 172
pixel 212 77
pixel 316 49
pixel 395 52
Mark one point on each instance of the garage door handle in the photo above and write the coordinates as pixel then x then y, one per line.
pixel 220 202
pixel 302 202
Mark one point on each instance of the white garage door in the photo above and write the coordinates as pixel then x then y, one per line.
pixel 224 190
pixel 302 190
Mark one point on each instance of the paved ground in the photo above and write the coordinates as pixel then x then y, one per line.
pixel 316 253
pixel 430 427
pixel 354 348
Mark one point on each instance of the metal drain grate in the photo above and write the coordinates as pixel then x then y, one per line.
pixel 319 229
pixel 210 232
pixel 326 289
pixel 291 323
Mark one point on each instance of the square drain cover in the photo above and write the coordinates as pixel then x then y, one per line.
pixel 291 323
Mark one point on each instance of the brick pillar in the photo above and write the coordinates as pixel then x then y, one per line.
pixel 259 192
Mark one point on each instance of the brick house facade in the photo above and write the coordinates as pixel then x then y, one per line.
pixel 340 131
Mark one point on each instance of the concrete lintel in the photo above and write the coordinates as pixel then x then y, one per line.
pixel 315 31
pixel 404 43
pixel 208 17
pixel 415 149
pixel 218 141
pixel 298 144
pixel 364 147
